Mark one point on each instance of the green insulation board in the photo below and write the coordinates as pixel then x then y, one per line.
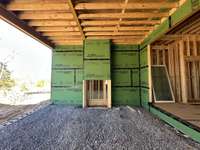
pixel 143 57
pixel 62 48
pixel 79 77
pixel 125 47
pixel 67 60
pixel 144 96
pixel 125 59
pixel 182 12
pixel 63 78
pixel 97 49
pixel 144 77
pixel 121 78
pixel 135 77
pixel 125 96
pixel 70 96
pixel 97 70
pixel 160 30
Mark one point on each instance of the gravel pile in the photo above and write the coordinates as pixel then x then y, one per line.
pixel 59 127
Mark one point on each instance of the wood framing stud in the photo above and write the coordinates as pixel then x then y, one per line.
pixel 76 18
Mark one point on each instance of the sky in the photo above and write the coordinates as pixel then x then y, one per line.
pixel 26 57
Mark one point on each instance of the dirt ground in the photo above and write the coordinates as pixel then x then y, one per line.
pixel 57 127
pixel 8 112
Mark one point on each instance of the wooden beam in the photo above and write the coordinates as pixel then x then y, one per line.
pixel 46 15
pixel 119 15
pixel 131 41
pixel 116 37
pixel 69 43
pixel 51 23
pixel 40 5
pixel 57 28
pixel 133 5
pixel 116 28
pixel 111 23
pixel 19 24
pixel 183 73
pixel 61 33
pixel 161 47
pixel 76 18
pixel 65 38
pixel 115 33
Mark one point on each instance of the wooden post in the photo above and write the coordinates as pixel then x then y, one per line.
pixel 183 73
pixel 109 94
pixel 84 94
pixel 149 72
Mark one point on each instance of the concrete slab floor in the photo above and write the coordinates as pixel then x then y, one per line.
pixel 59 127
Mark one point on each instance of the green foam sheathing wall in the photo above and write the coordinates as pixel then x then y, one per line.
pixel 144 77
pixel 181 13
pixel 97 70
pixel 97 60
pixel 63 78
pixel 67 75
pixel 78 77
pixel 160 30
pixel 121 77
pixel 124 47
pixel 67 59
pixel 125 96
pixel 125 75
pixel 97 49
pixel 195 135
pixel 69 96
pixel 143 57
pixel 135 77
pixel 144 97
pixel 72 48
pixel 126 59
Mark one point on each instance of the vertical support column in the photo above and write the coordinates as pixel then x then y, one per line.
pixel 84 94
pixel 183 73
pixel 109 94
pixel 149 72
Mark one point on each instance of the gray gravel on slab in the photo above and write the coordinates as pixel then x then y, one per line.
pixel 58 127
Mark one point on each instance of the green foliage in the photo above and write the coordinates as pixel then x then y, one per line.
pixel 23 87
pixel 41 83
pixel 6 82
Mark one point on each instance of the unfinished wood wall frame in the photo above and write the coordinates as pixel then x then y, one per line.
pixel 101 98
pixel 182 60
pixel 67 22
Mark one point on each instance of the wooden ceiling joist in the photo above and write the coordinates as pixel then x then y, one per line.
pixel 58 28
pixel 139 28
pixel 76 18
pixel 116 37
pixel 19 24
pixel 27 6
pixel 61 33
pixel 45 15
pixel 120 15
pixel 132 5
pixel 51 23
pixel 115 33
pixel 65 21
pixel 110 23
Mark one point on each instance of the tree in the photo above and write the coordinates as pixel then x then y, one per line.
pixel 6 82
pixel 40 83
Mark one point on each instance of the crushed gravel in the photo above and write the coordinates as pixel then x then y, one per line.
pixel 58 127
